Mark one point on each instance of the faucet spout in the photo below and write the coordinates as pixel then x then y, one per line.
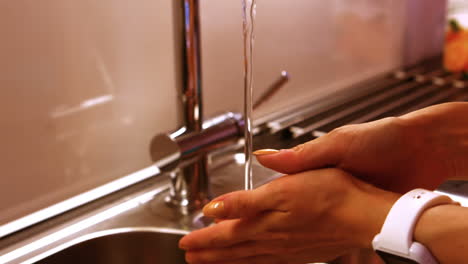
pixel 190 185
pixel 192 72
pixel 185 151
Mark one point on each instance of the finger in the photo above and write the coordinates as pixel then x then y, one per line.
pixel 325 151
pixel 242 204
pixel 231 232
pixel 277 249
pixel 263 259
pixel 238 251
pixel 224 234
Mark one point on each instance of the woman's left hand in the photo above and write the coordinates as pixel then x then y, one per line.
pixel 313 216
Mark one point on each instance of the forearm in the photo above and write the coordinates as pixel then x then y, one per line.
pixel 444 128
pixel 444 230
pixel 446 111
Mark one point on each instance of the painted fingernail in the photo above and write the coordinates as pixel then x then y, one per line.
pixel 262 152
pixel 182 246
pixel 182 243
pixel 214 209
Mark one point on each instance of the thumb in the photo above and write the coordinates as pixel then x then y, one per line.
pixel 239 204
pixel 319 153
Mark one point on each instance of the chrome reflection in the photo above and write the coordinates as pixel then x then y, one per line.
pixel 78 200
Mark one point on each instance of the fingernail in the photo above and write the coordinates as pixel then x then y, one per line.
pixel 214 209
pixel 182 245
pixel 262 152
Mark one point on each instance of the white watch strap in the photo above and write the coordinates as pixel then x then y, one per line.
pixel 397 231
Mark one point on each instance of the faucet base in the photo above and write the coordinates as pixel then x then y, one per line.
pixel 163 207
pixel 189 190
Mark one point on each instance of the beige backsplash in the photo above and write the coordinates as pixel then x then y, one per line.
pixel 86 84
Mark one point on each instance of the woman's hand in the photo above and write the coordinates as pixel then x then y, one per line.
pixel 313 216
pixel 420 149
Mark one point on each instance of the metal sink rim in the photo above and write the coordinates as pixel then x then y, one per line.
pixel 103 233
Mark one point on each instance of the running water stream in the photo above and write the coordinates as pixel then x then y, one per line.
pixel 249 10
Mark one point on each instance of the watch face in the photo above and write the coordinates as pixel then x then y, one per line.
pixel 392 259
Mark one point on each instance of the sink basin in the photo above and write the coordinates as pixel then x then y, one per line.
pixel 121 247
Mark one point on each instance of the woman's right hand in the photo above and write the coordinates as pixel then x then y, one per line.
pixel 420 149
pixel 314 216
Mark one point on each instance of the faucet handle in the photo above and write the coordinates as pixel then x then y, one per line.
pixel 165 152
pixel 275 87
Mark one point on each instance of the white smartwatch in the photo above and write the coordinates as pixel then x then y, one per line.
pixel 394 243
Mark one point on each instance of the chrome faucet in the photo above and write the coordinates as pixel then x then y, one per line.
pixel 190 187
pixel 183 153
pixel 188 27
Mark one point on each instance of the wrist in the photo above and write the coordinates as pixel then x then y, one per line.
pixel 396 241
pixel 443 230
pixel 378 205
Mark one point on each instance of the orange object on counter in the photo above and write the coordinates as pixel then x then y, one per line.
pixel 456 48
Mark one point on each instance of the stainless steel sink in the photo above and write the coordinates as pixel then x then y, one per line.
pixel 133 226
pixel 123 246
